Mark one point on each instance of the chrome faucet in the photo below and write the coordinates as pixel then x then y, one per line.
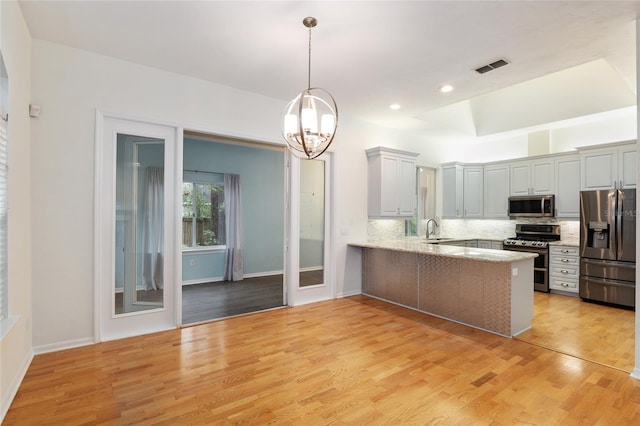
pixel 434 229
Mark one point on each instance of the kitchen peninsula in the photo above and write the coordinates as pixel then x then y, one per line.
pixel 487 289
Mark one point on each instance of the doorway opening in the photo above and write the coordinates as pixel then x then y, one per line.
pixel 233 257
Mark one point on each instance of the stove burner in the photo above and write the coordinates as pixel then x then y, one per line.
pixel 534 235
pixel 525 243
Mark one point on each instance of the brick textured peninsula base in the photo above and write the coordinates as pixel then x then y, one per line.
pixel 492 295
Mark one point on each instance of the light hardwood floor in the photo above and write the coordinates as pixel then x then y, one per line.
pixel 351 361
pixel 590 331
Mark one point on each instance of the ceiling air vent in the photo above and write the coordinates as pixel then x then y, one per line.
pixel 492 66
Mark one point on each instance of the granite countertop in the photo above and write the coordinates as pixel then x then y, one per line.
pixel 422 246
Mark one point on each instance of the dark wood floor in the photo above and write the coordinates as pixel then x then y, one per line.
pixel 154 296
pixel 205 302
pixel 209 301
pixel 309 278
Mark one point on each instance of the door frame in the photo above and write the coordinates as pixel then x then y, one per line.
pixel 107 325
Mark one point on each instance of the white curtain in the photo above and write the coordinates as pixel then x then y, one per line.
pixel 233 262
pixel 152 229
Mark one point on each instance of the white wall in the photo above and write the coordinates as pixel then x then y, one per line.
pixel 15 346
pixel 562 137
pixel 69 84
pixel 537 102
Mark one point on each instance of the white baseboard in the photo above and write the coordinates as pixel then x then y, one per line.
pixel 12 390
pixel 263 274
pixel 311 268
pixel 349 293
pixel 219 279
pixel 69 344
pixel 202 281
pixel 635 374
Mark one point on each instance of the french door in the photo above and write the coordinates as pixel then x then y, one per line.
pixel 136 273
pixel 309 269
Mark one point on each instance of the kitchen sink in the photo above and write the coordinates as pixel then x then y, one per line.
pixel 437 240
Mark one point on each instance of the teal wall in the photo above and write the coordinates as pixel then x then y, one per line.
pixel 262 181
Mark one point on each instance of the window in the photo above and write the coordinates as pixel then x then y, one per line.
pixel 203 222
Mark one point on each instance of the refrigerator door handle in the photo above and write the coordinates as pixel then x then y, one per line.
pixel 612 215
pixel 619 234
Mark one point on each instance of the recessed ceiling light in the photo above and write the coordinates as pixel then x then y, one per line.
pixel 446 88
pixel 394 106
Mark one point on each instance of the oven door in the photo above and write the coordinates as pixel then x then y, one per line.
pixel 540 266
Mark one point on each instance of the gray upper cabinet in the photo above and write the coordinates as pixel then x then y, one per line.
pixel 462 188
pixel 472 190
pixel 532 177
pixel 391 183
pixel 483 190
pixel 567 176
pixel 496 190
pixel 611 167
pixel 452 191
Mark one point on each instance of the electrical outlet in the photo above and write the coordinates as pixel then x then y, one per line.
pixel 192 262
pixel 514 272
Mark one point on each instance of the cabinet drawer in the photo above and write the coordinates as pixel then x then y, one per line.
pixel 564 271
pixel 564 260
pixel 563 284
pixel 564 251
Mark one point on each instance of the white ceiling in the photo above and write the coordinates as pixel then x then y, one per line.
pixel 577 57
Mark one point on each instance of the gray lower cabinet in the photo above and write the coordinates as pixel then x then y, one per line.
pixel 564 268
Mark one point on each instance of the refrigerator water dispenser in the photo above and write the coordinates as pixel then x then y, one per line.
pixel 598 235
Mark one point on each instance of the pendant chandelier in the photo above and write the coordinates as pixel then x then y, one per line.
pixel 311 118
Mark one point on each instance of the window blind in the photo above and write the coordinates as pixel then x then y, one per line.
pixel 4 297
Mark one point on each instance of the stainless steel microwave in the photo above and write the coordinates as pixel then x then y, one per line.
pixel 532 206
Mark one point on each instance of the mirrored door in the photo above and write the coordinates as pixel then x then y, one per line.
pixel 312 226
pixel 309 267
pixel 135 257
pixel 139 209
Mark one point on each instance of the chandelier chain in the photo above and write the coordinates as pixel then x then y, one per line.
pixel 309 71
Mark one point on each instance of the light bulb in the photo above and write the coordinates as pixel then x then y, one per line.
pixel 309 120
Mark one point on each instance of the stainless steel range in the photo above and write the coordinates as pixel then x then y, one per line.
pixel 535 238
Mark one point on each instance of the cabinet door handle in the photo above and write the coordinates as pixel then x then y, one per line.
pixel 564 260
pixel 564 251
pixel 564 271
pixel 564 284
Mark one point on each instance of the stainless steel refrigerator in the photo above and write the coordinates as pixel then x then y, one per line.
pixel 608 246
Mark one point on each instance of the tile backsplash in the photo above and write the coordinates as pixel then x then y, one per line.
pixel 385 229
pixel 379 229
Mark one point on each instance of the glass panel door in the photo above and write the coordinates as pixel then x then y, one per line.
pixel 136 230
pixel 139 233
pixel 312 229
pixel 309 269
